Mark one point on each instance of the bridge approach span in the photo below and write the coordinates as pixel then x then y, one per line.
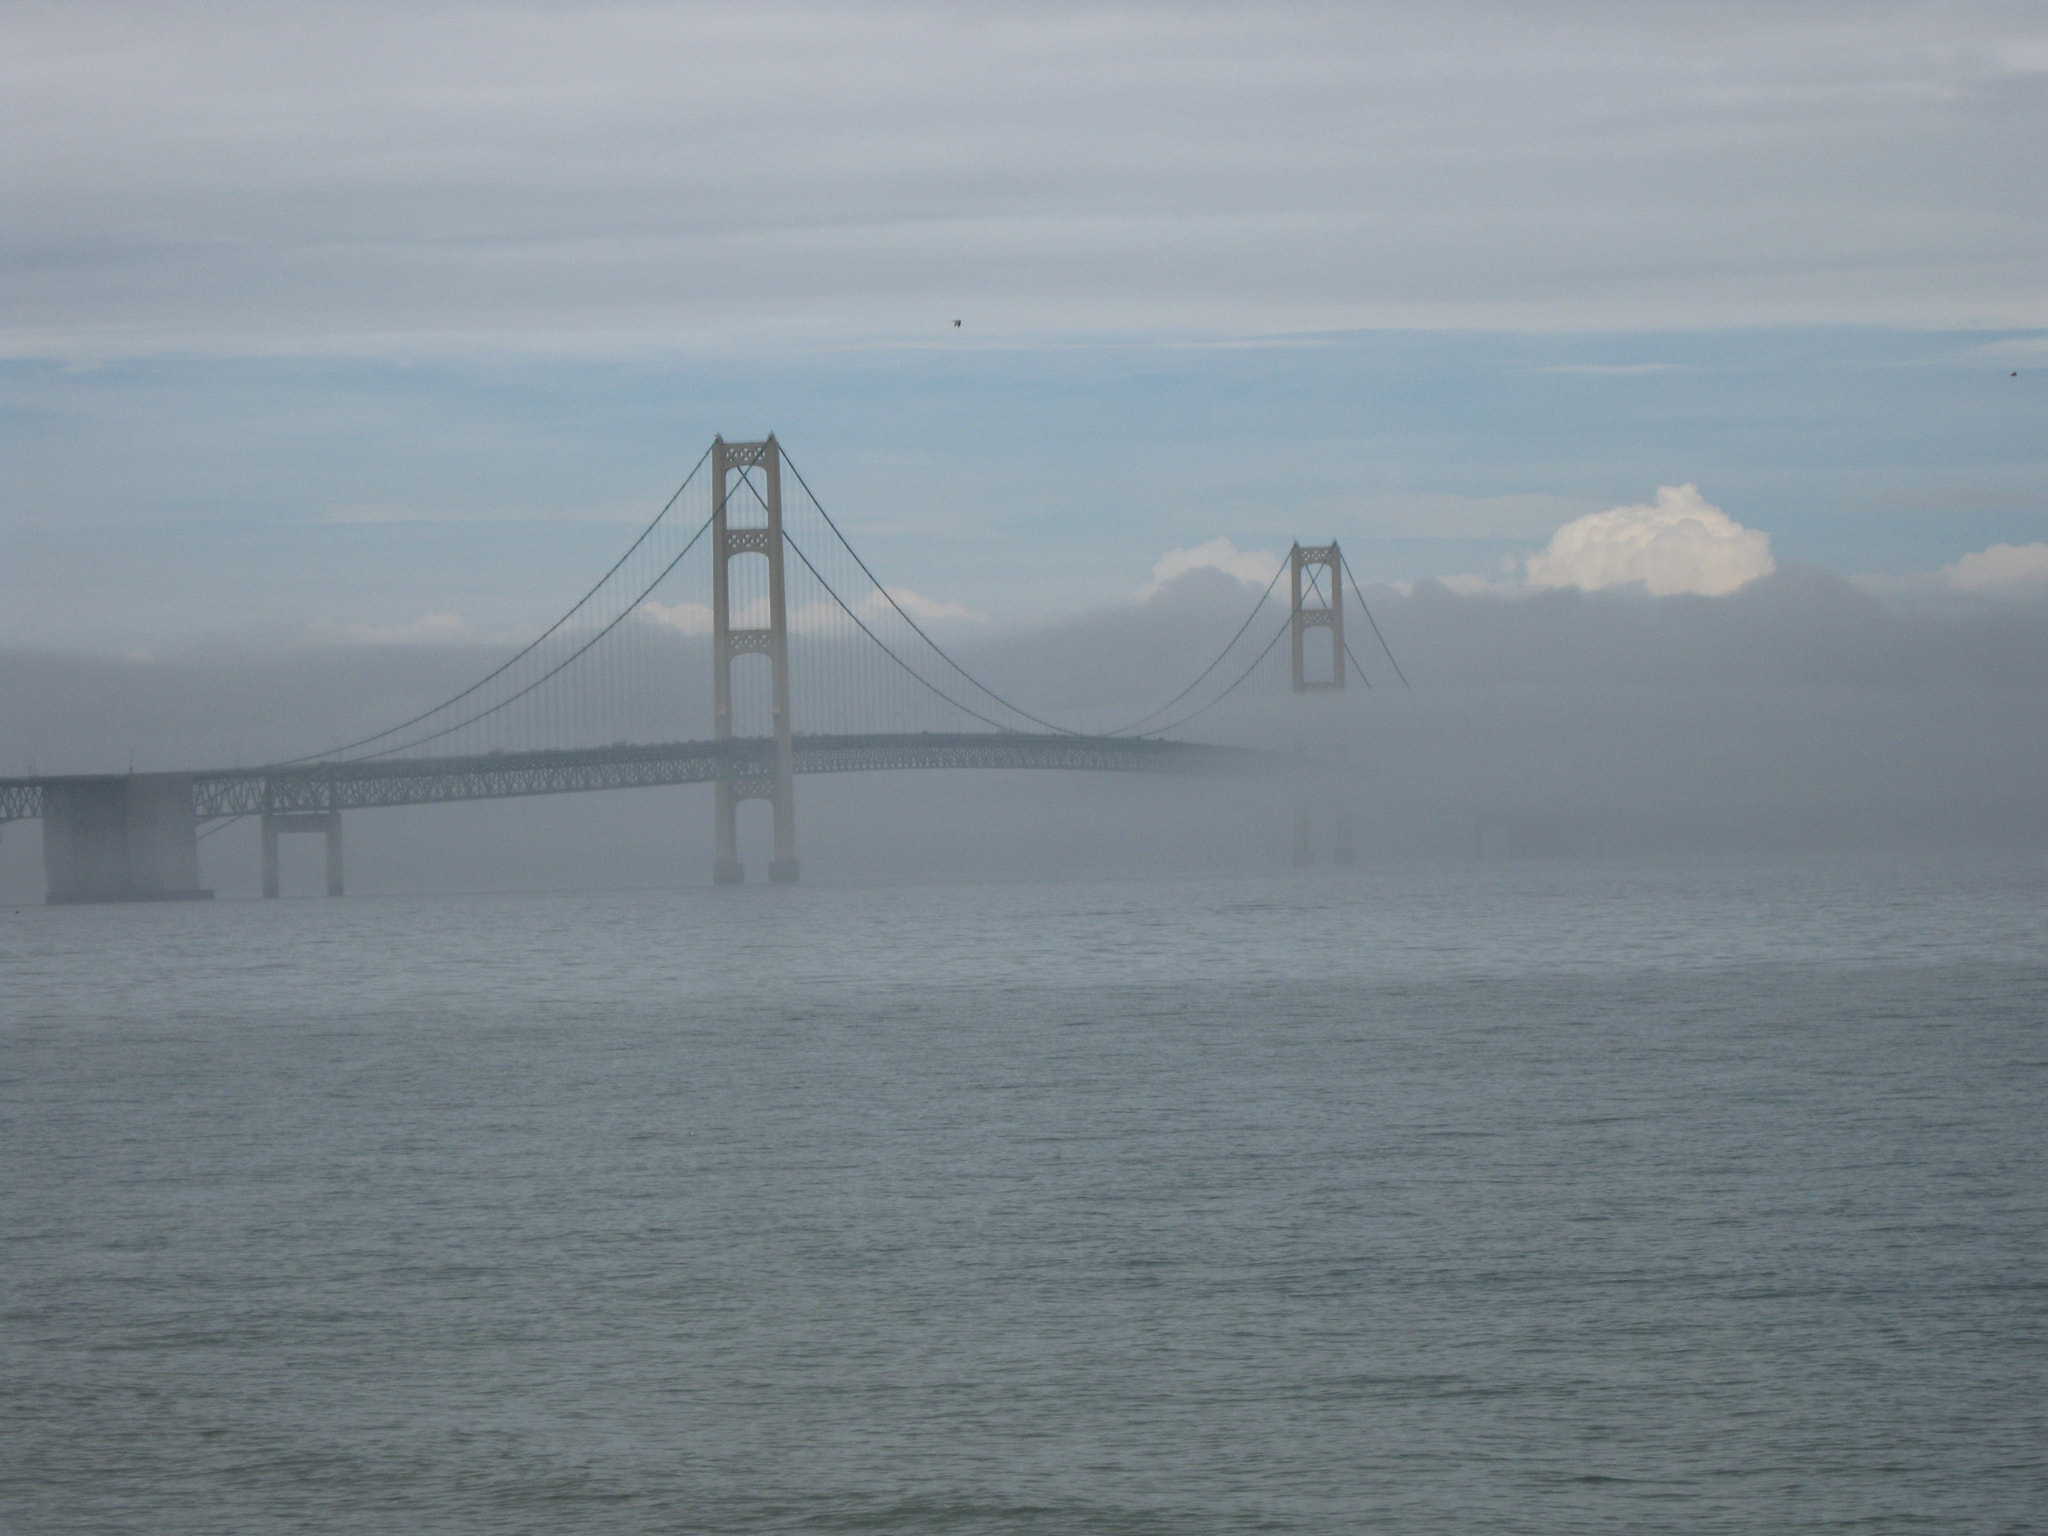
pixel 326 787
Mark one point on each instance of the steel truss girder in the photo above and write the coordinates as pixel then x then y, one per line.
pixel 229 792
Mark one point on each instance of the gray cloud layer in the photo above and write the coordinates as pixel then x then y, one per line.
pixel 227 176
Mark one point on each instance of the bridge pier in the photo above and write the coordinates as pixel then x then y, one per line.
pixel 1342 849
pixel 126 837
pixel 726 868
pixel 276 823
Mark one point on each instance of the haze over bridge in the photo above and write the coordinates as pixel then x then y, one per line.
pixel 860 661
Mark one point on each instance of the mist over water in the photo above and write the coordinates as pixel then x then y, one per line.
pixel 1800 711
pixel 1616 1195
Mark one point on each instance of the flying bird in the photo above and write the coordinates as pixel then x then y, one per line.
pixel 956 326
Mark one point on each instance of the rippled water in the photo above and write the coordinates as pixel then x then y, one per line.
pixel 1507 1198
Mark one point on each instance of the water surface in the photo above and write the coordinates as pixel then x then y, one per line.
pixel 1526 1197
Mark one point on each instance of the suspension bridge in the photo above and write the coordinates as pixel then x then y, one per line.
pixel 616 694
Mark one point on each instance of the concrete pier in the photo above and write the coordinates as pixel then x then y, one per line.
pixel 327 823
pixel 121 837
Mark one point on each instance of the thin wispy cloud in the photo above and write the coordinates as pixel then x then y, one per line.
pixel 2000 568
pixel 1996 573
pixel 392 178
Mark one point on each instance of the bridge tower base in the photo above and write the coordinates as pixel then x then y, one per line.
pixel 125 837
pixel 327 823
pixel 1342 849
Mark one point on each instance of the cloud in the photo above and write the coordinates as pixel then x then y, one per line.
pixel 1996 571
pixel 1471 585
pixel 1680 543
pixel 2000 568
pixel 394 176
pixel 1253 565
pixel 683 618
pixel 918 606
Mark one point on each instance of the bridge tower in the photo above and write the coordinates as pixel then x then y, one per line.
pixel 1304 561
pixel 1316 598
pixel 746 526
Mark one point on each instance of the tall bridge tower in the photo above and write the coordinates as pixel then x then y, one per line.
pixel 1316 599
pixel 1304 562
pixel 750 524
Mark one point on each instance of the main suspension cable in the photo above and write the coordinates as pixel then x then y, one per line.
pixel 879 641
pixel 1362 608
pixel 485 714
pixel 1174 725
pixel 927 639
pixel 1120 730
pixel 1356 665
pixel 528 650
pixel 1191 687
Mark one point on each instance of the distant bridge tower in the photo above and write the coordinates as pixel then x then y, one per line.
pixel 1303 562
pixel 748 527
pixel 1316 595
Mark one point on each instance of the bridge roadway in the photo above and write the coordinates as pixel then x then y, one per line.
pixel 320 787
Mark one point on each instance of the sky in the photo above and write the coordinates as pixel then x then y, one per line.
pixel 326 322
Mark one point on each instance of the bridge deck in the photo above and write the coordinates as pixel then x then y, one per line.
pixel 502 775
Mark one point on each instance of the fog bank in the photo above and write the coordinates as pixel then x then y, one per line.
pixel 1799 711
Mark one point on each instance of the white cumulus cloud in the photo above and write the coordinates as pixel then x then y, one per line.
pixel 1253 565
pixel 918 606
pixel 1680 543
pixel 2000 568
